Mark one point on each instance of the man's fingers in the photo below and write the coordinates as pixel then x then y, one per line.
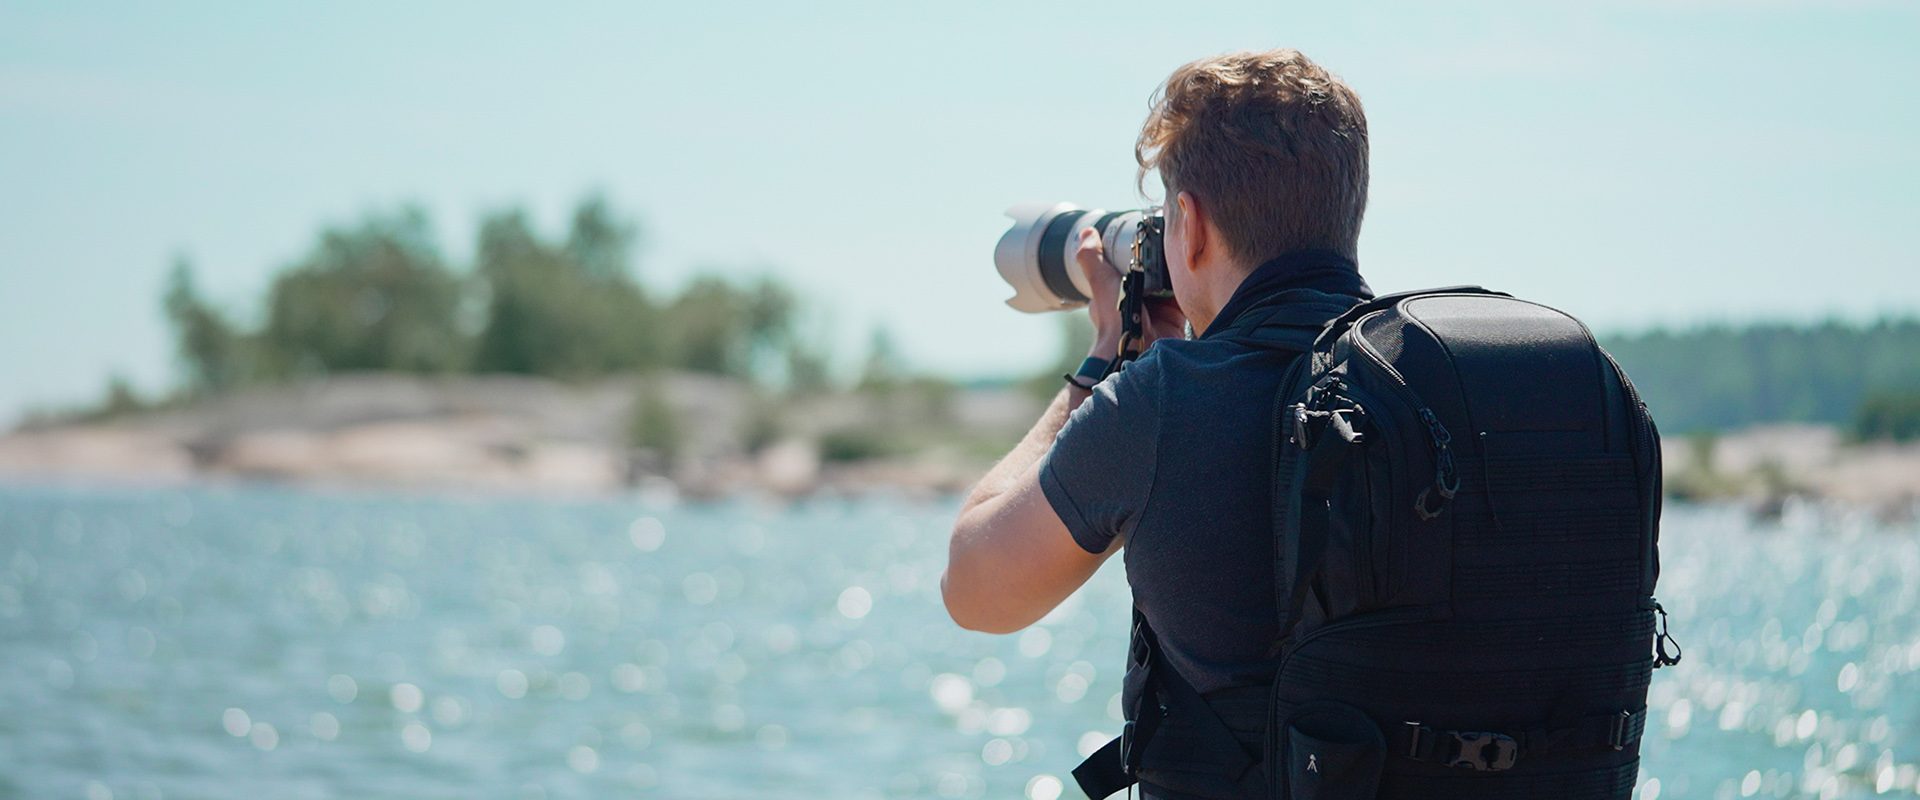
pixel 1091 253
pixel 1163 319
pixel 1166 309
pixel 1092 258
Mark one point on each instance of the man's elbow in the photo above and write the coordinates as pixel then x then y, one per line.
pixel 969 606
pixel 969 616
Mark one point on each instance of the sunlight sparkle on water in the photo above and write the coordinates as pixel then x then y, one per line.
pixel 547 640
pixel 512 684
pixel 647 534
pixel 264 736
pixel 342 688
pixel 1044 787
pixel 416 737
pixel 405 697
pixel 854 602
pixel 275 635
pixel 324 726
pixel 583 759
pixel 951 692
pixel 236 722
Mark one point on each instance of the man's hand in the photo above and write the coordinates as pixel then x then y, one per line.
pixel 1104 306
pixel 1160 318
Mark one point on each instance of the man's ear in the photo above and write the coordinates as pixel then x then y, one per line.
pixel 1193 228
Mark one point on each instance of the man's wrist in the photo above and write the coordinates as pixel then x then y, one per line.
pixel 1093 370
pixel 1105 345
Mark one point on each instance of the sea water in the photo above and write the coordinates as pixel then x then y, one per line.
pixel 251 642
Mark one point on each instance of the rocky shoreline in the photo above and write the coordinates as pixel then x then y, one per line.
pixel 532 435
pixel 1767 467
pixel 518 434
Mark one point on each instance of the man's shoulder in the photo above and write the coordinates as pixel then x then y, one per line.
pixel 1216 357
pixel 1195 375
pixel 1170 362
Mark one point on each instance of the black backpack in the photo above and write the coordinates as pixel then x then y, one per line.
pixel 1468 500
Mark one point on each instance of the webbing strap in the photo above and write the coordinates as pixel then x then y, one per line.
pixel 1105 772
pixel 1494 751
pixel 1116 765
pixel 1206 741
pixel 1600 783
pixel 1310 519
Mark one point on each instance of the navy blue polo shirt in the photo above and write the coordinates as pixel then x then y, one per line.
pixel 1175 454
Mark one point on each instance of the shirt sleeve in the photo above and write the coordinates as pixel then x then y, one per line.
pixel 1101 468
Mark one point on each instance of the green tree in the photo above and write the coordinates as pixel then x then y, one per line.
pixel 121 399
pixel 202 337
pixel 1720 377
pixel 567 310
pixel 809 368
pixel 374 296
pixel 1888 415
pixel 883 373
pixel 600 242
pixel 721 328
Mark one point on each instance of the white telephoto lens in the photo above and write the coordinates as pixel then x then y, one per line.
pixel 1118 239
pixel 1038 255
pixel 1035 257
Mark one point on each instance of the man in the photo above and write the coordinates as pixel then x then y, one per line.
pixel 1263 158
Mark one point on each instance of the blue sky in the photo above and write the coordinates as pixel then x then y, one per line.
pixel 1639 164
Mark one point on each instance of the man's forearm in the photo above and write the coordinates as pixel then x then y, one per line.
pixel 1032 447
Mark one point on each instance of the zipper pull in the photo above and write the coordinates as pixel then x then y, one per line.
pixel 1446 479
pixel 1661 658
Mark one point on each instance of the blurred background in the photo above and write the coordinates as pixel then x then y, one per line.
pixel 468 399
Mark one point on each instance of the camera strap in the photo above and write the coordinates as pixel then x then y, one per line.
pixel 1132 327
pixel 1132 304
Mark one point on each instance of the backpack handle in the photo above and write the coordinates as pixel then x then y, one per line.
pixel 1340 324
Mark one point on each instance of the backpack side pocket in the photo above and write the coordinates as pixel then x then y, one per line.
pixel 1332 751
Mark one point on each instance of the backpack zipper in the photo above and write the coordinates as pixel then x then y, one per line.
pixel 1446 477
pixel 1661 658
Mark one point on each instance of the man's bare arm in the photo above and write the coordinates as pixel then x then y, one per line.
pixel 1011 559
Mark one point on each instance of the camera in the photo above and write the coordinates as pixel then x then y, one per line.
pixel 1036 255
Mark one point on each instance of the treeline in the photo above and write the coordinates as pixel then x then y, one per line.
pixel 1862 377
pixel 379 295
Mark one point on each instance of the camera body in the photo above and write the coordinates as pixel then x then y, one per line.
pixel 1036 255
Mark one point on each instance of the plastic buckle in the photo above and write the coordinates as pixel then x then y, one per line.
pixel 1126 748
pixel 1415 732
pixel 1342 422
pixel 1472 749
pixel 1300 425
pixel 1617 734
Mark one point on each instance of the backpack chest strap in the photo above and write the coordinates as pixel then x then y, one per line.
pixel 1494 751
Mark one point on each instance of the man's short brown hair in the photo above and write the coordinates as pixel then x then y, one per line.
pixel 1273 145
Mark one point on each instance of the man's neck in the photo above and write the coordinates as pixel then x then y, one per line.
pixel 1219 291
pixel 1320 269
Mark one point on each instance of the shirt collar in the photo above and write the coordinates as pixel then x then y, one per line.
pixel 1319 270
